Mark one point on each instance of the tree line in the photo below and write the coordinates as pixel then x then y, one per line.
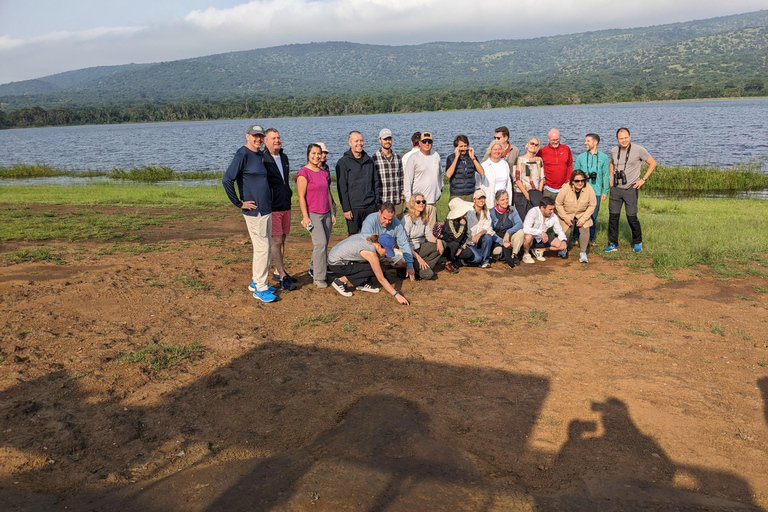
pixel 364 103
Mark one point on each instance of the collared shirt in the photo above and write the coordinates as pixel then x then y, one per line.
pixel 535 224
pixel 372 226
pixel 391 175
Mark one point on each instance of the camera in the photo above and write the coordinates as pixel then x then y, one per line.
pixel 592 176
pixel 619 178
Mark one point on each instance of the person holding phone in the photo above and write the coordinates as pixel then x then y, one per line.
pixel 317 215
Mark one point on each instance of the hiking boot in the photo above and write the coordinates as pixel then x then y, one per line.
pixel 515 262
pixel 252 288
pixel 276 277
pixel 368 288
pixel 611 248
pixel 321 284
pixel 265 296
pixel 638 247
pixel 539 255
pixel 527 258
pixel 341 287
pixel 451 267
pixel 583 257
pixel 287 284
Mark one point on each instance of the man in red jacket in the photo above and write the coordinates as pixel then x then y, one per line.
pixel 558 164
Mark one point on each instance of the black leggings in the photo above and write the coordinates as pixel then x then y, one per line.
pixel 358 273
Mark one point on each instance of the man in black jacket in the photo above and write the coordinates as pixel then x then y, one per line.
pixel 278 175
pixel 358 183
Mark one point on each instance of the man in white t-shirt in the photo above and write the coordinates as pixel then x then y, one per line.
pixel 422 174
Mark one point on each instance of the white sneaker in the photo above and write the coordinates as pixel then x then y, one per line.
pixel 527 258
pixel 539 254
pixel 583 257
pixel 340 287
pixel 368 288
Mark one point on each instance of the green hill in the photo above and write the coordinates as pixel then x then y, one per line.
pixel 723 56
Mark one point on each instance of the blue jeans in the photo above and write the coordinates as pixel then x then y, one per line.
pixel 481 251
pixel 593 227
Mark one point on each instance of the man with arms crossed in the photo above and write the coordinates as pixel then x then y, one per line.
pixel 624 172
pixel 594 163
pixel 558 164
pixel 276 163
pixel 389 167
pixel 422 175
pixel 357 182
pixel 537 222
pixel 255 200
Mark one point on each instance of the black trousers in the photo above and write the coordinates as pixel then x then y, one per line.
pixel 627 198
pixel 358 273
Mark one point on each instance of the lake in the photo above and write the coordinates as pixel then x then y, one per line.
pixel 718 133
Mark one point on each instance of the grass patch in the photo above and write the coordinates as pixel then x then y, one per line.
pixel 236 259
pixel 644 334
pixel 478 319
pixel 537 314
pixel 160 357
pixel 760 290
pixel 314 320
pixel 191 282
pixel 34 255
pixel 350 328
pixel 78 375
pixel 705 179
pixel 659 350
pixel 548 420
pixel 716 329
pixel 762 363
pixel 680 323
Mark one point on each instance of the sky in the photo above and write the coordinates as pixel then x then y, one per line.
pixel 43 37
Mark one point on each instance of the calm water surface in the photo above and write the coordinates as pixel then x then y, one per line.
pixel 717 132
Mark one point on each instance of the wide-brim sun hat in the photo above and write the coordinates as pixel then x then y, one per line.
pixel 458 208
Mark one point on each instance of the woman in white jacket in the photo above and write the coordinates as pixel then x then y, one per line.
pixel 496 172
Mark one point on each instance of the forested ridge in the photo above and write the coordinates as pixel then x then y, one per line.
pixel 718 57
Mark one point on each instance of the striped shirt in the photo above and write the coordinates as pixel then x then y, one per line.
pixel 391 175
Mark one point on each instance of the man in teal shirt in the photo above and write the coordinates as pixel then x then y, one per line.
pixel 594 163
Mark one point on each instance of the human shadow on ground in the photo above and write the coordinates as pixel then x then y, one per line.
pixel 289 427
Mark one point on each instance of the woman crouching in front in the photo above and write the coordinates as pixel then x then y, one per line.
pixel 356 260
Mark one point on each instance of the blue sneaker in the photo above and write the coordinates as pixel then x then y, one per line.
pixel 265 296
pixel 611 248
pixel 638 247
pixel 252 288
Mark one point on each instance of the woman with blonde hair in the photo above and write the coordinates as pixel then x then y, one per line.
pixel 529 178
pixel 496 175
pixel 425 247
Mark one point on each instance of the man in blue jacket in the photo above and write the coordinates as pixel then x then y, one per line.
pixel 255 200
pixel 358 183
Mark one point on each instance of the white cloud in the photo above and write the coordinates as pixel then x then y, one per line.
pixel 7 43
pixel 264 23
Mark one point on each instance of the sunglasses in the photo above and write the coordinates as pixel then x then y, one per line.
pixel 498 138
pixel 426 141
pixel 420 201
pixel 533 144
pixel 579 181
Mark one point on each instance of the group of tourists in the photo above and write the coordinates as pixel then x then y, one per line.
pixel 508 206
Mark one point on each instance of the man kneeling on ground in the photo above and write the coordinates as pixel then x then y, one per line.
pixel 356 259
pixel 537 222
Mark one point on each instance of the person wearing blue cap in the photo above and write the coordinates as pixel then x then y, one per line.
pixel 356 260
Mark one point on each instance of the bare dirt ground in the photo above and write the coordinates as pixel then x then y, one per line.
pixel 556 386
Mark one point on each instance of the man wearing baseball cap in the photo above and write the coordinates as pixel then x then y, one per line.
pixel 389 165
pixel 422 174
pixel 255 201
